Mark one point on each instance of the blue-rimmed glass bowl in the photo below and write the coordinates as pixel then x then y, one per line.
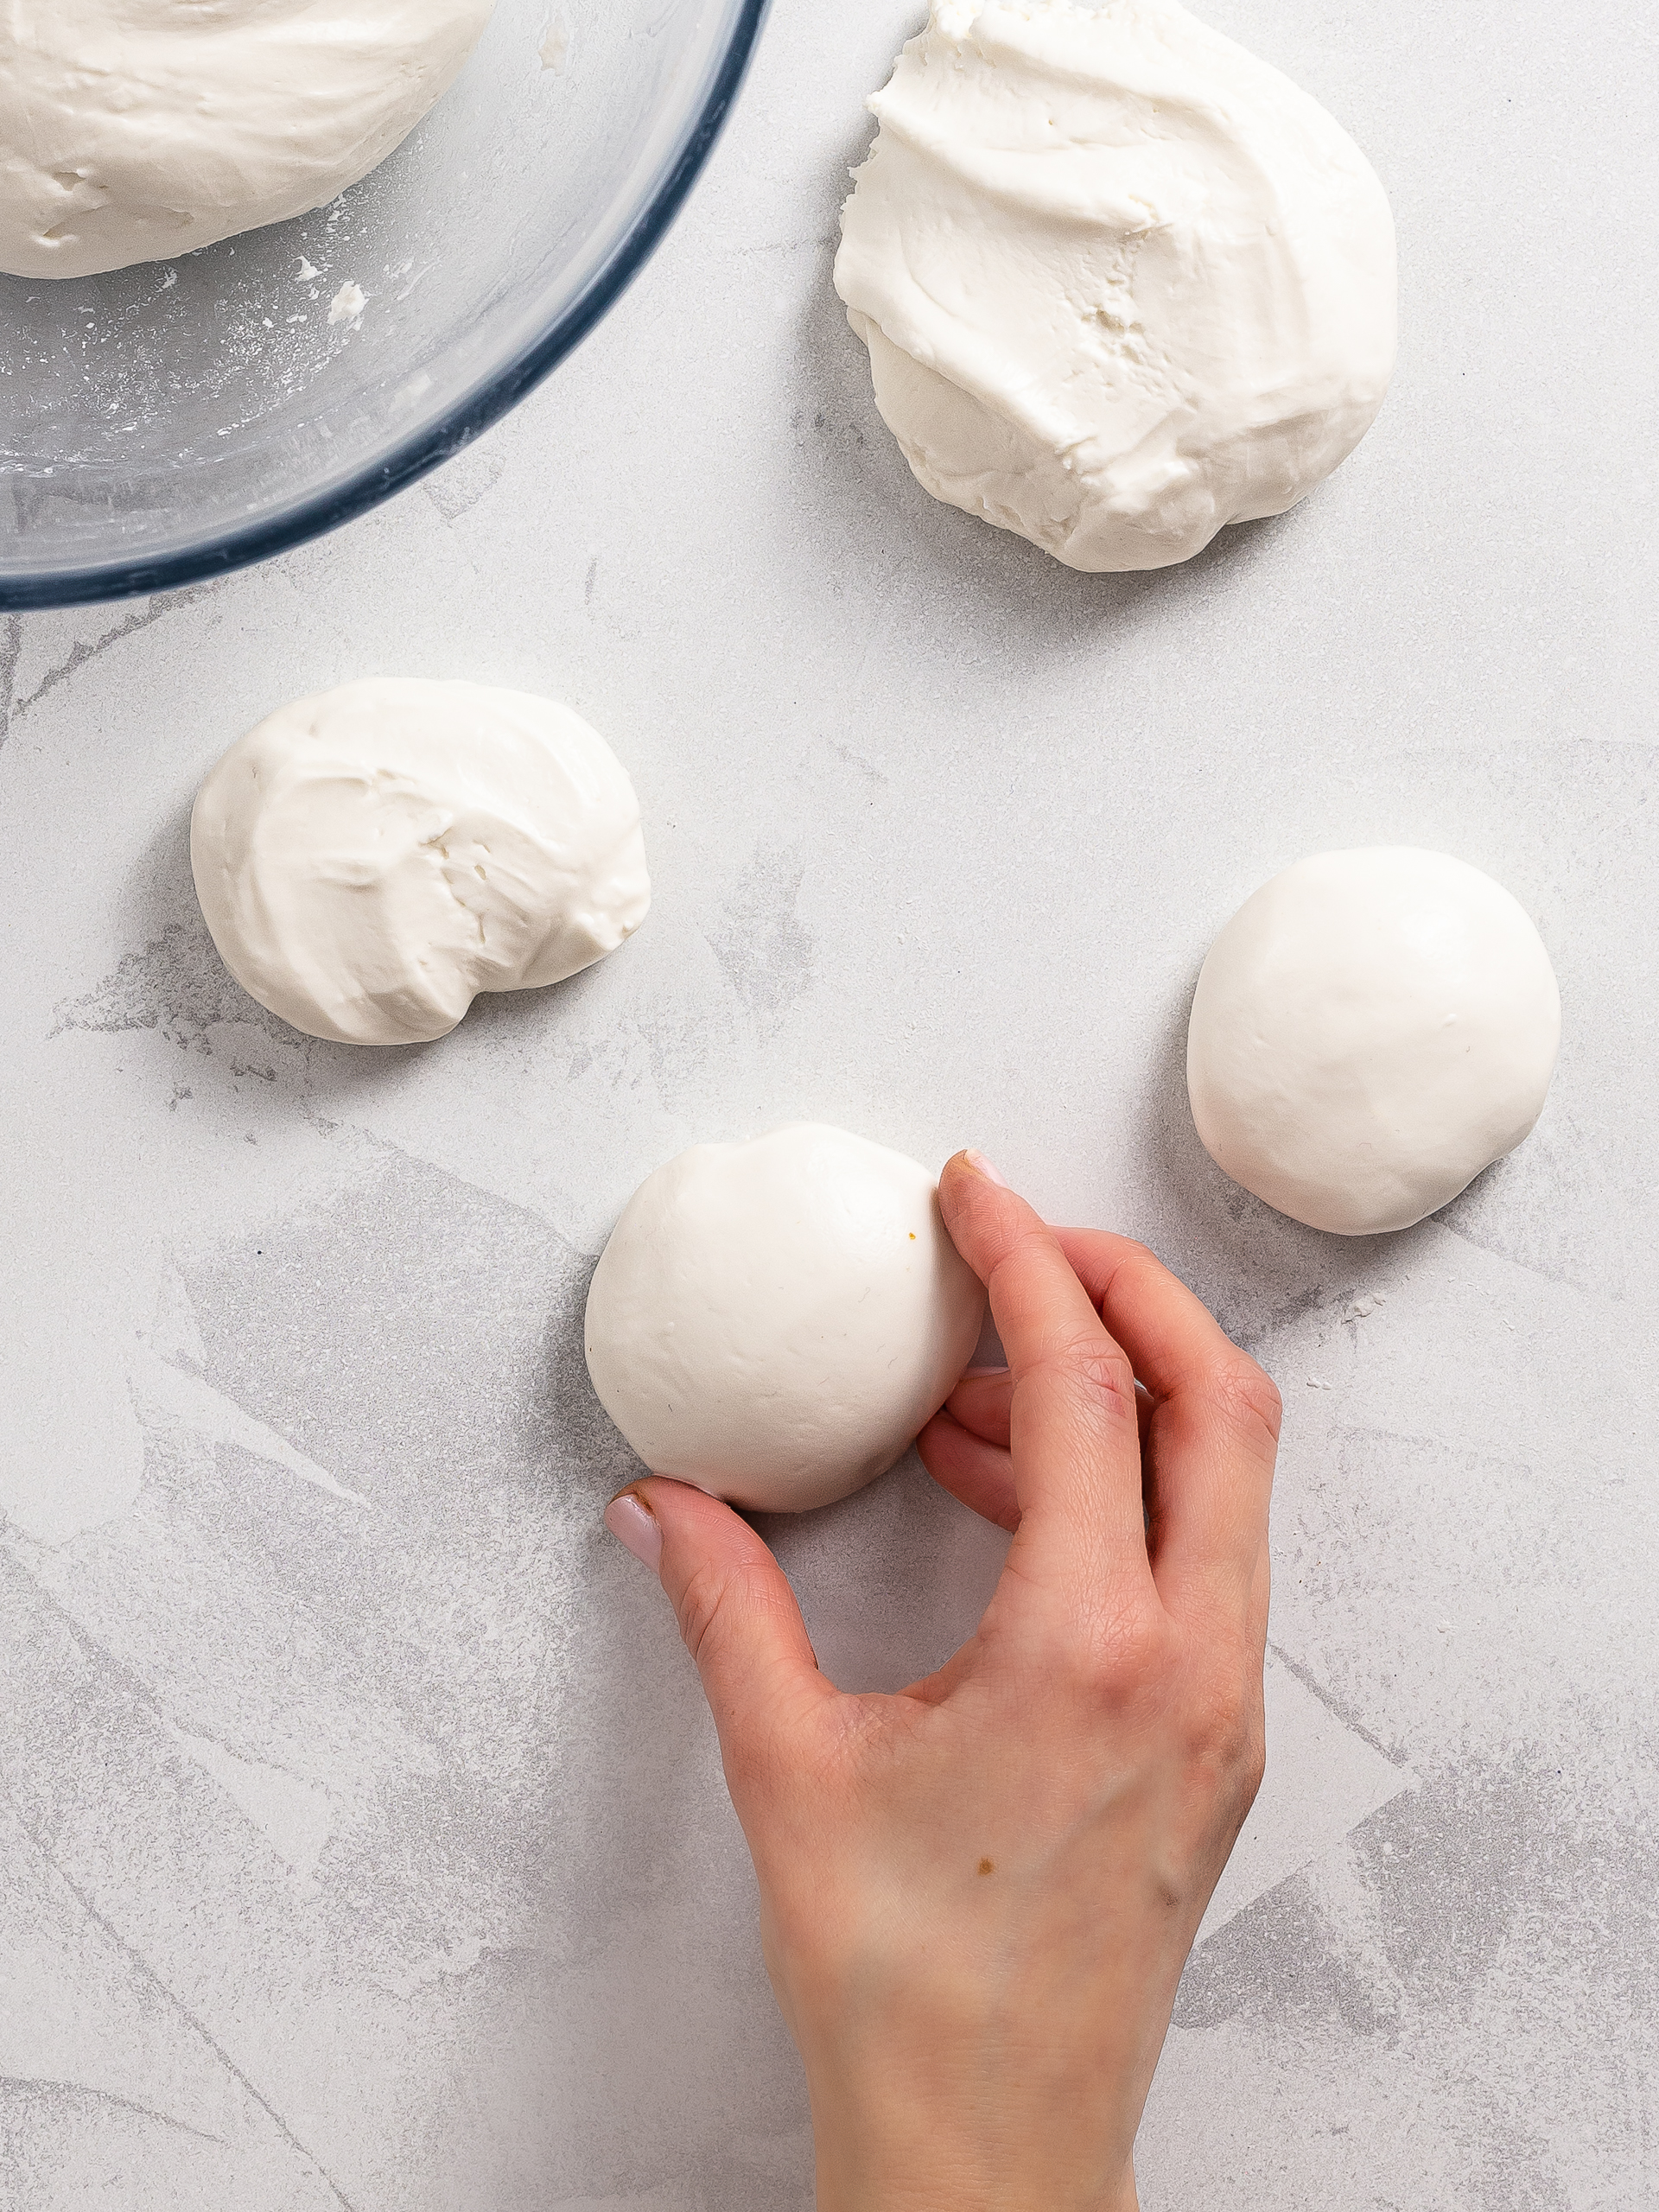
pixel 177 419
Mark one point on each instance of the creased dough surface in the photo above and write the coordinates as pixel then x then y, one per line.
pixel 1122 283
pixel 369 859
pixel 136 129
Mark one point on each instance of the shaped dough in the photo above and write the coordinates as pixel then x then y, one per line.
pixel 774 1321
pixel 1370 1031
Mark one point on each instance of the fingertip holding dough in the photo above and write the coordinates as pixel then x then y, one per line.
pixel 1370 1030
pixel 133 131
pixel 1121 283
pixel 775 1322
pixel 369 858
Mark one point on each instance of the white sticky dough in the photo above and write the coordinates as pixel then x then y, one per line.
pixel 136 129
pixel 369 858
pixel 774 1321
pixel 1370 1030
pixel 1121 283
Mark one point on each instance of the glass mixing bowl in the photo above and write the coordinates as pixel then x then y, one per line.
pixel 182 417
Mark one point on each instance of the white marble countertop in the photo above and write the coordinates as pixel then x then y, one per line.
pixel 362 1838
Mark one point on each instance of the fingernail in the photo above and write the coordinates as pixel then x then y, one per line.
pixel 633 1524
pixel 981 1165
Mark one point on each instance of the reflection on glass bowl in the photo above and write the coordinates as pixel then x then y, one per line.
pixel 177 419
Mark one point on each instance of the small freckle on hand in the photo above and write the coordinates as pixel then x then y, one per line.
pixel 988 1866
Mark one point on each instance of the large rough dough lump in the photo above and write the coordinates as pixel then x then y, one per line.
pixel 136 130
pixel 1370 1031
pixel 369 858
pixel 1121 283
pixel 775 1321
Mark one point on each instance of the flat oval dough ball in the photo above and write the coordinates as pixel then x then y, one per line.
pixel 775 1322
pixel 136 129
pixel 1370 1030
pixel 369 858
pixel 1121 283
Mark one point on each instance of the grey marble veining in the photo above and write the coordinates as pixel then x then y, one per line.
pixel 362 1837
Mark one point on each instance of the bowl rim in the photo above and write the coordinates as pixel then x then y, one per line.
pixel 406 462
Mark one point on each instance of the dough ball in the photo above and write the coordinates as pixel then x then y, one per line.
pixel 1370 1031
pixel 136 129
pixel 1121 283
pixel 369 858
pixel 774 1321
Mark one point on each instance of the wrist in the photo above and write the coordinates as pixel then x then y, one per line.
pixel 856 2179
pixel 899 2149
pixel 938 2085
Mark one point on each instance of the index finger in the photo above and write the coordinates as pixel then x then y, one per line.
pixel 1072 1425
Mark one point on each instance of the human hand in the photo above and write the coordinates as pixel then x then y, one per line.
pixel 977 1895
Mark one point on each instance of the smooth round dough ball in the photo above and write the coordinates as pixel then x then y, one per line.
pixel 1370 1031
pixel 136 129
pixel 369 858
pixel 775 1321
pixel 1121 283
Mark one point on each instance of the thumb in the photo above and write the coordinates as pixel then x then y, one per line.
pixel 736 1610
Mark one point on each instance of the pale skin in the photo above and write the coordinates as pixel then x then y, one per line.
pixel 977 1895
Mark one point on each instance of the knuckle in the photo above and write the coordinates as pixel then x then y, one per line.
pixel 699 1609
pixel 1240 1764
pixel 1094 1364
pixel 1247 1398
pixel 1226 1728
pixel 710 1605
pixel 1221 1722
pixel 1253 1764
pixel 1122 1655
